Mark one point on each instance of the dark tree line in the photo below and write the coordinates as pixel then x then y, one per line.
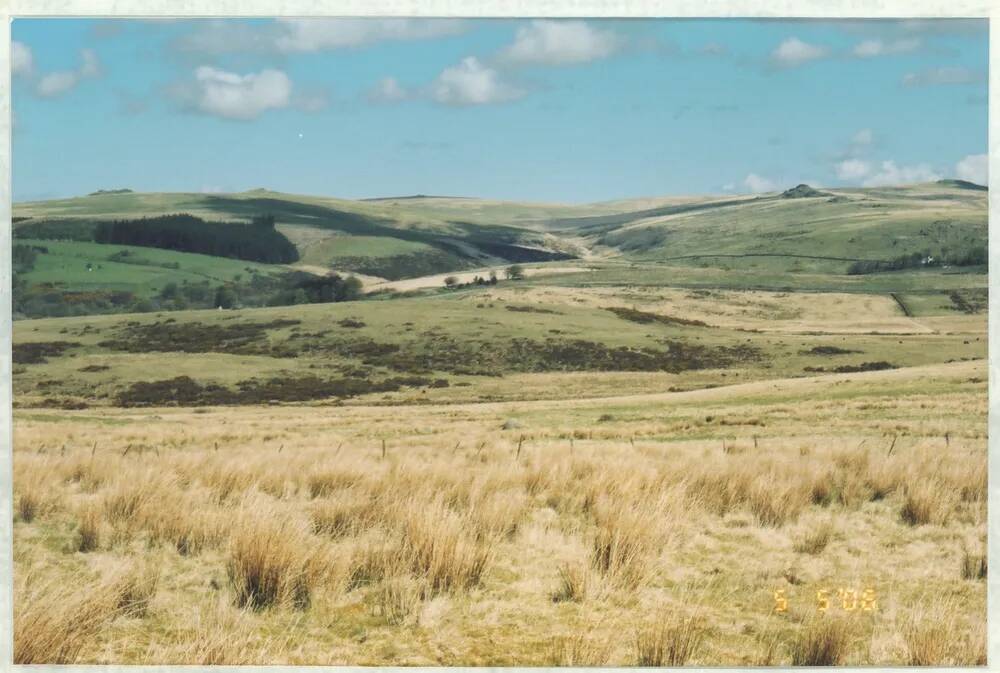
pixel 974 256
pixel 257 241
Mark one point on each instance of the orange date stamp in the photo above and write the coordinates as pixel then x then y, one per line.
pixel 848 600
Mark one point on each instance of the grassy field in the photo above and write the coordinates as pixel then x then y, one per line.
pixel 627 459
pixel 144 271
pixel 433 535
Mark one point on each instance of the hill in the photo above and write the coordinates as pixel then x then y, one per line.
pixel 802 230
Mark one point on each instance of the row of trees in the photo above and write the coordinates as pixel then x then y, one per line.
pixel 974 256
pixel 257 241
pixel 513 272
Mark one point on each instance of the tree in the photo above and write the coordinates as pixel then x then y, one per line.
pixel 450 281
pixel 493 277
pixel 225 297
pixel 514 272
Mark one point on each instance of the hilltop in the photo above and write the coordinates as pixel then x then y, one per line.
pixel 77 266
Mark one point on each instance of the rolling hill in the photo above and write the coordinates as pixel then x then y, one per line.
pixel 803 230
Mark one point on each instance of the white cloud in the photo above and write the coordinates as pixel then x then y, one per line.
pixel 22 62
pixel 387 90
pixel 946 75
pixel 793 52
pixel 974 168
pixel 300 35
pixel 891 174
pixel 548 42
pixel 57 83
pixel 853 169
pixel 286 36
pixel 234 96
pixel 756 184
pixel 873 48
pixel 472 83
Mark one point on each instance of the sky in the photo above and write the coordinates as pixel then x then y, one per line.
pixel 568 111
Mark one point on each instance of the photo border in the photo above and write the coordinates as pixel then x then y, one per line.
pixel 804 9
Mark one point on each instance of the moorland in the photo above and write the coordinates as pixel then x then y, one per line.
pixel 271 428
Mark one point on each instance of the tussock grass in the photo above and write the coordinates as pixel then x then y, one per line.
pixel 316 540
pixel 396 598
pixel 574 584
pixel 88 529
pixel 582 649
pixel 937 637
pixel 824 640
pixel 815 539
pixel 974 564
pixel 269 560
pixel 927 501
pixel 54 621
pixel 441 549
pixel 672 640
pixel 133 589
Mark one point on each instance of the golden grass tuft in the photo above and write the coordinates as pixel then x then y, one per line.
pixel 672 640
pixel 269 561
pixel 54 621
pixel 927 501
pixel 815 539
pixel 823 641
pixel 396 598
pixel 88 529
pixel 134 588
pixel 441 549
pixel 574 584
pixel 582 649
pixel 934 637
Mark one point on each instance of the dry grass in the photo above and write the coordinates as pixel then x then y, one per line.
pixel 927 501
pixel 815 539
pixel 467 555
pixel 396 599
pixel 974 564
pixel 581 649
pixel 672 640
pixel 269 559
pixel 574 584
pixel 825 640
pixel 88 529
pixel 133 589
pixel 54 621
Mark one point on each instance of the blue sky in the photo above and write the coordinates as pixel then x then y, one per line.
pixel 572 110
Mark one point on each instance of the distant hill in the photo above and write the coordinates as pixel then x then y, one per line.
pixel 800 230
pixel 962 184
pixel 802 191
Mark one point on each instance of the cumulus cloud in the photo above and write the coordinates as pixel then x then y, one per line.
pixel 974 168
pixel 549 42
pixel 873 48
pixel 853 169
pixel 387 90
pixel 891 174
pixel 472 83
pixel 22 62
pixel 756 184
pixel 233 96
pixel 289 36
pixel 794 52
pixel 58 83
pixel 945 75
